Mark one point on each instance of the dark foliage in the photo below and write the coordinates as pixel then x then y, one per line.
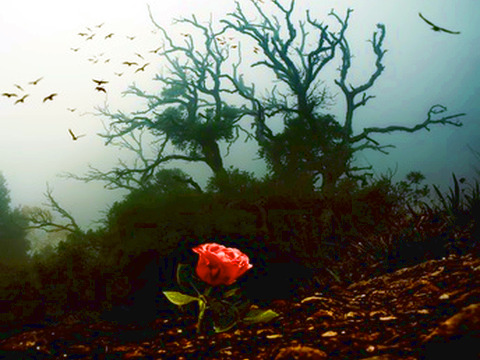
pixel 13 243
pixel 294 242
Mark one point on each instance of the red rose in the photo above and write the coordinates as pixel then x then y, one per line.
pixel 219 265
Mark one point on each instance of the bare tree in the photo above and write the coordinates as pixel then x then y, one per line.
pixel 43 219
pixel 314 144
pixel 188 120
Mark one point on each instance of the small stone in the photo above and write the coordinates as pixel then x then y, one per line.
pixel 329 334
pixel 444 297
pixel 325 314
pixel 300 353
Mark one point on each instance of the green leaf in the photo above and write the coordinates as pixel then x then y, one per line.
pixel 184 275
pixel 224 315
pixel 258 315
pixel 187 281
pixel 223 328
pixel 232 293
pixel 178 298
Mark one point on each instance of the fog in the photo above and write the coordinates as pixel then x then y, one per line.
pixel 39 40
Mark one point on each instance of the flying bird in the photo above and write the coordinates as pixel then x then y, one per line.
pixel 142 68
pixel 71 110
pixel 154 51
pixel 9 95
pixel 82 34
pixel 100 89
pixel 75 49
pixel 74 137
pixel 35 82
pixel 437 28
pixel 130 63
pixel 22 100
pixel 130 37
pixel 18 87
pixel 90 37
pixel 140 56
pixel 118 74
pixel 99 25
pixel 109 36
pixel 50 97
pixel 100 82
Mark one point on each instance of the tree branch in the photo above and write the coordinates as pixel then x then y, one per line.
pixel 434 110
pixel 43 219
pixel 351 92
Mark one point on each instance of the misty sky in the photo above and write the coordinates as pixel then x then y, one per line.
pixel 38 39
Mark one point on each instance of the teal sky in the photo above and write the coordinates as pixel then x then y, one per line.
pixel 423 68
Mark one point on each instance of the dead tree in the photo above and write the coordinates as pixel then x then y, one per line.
pixel 190 114
pixel 312 144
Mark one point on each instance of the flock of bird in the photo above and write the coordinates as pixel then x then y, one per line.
pixel 24 96
pixel 20 98
pixel 22 93
pixel 138 63
pixel 91 34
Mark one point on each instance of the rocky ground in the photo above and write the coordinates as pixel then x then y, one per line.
pixel 427 311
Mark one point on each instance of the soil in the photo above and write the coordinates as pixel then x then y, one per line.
pixel 427 311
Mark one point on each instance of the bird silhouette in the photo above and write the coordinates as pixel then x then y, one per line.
pixel 35 82
pixel 9 95
pixel 436 27
pixel 90 37
pixel 130 63
pixel 118 74
pixel 71 110
pixel 50 97
pixel 154 51
pixel 142 68
pixel 22 100
pixel 130 37
pixel 75 49
pixel 109 36
pixel 74 137
pixel 18 87
pixel 100 82
pixel 99 25
pixel 140 56
pixel 100 89
pixel 82 34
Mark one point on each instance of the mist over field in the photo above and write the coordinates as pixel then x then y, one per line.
pixel 422 68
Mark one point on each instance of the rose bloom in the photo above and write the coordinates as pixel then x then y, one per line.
pixel 219 265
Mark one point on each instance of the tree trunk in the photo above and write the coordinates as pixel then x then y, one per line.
pixel 213 158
